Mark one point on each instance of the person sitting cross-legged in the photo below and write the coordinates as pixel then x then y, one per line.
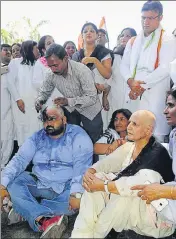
pixel 109 202
pixel 61 153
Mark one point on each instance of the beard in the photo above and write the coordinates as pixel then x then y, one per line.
pixel 50 130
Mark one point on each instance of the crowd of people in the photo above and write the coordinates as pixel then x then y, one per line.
pixel 97 127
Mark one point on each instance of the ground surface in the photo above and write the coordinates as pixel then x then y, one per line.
pixel 22 230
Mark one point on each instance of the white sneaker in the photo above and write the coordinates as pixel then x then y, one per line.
pixel 14 217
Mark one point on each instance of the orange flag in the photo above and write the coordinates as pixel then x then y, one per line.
pixel 80 42
pixel 103 26
pixel 103 23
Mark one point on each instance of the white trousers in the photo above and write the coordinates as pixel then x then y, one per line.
pixel 98 215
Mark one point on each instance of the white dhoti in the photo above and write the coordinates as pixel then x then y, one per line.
pixel 98 215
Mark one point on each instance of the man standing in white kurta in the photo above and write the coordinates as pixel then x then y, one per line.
pixel 7 126
pixel 145 66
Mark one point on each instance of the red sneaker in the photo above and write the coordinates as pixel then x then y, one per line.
pixel 54 227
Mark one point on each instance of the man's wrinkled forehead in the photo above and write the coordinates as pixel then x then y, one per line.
pixel 135 117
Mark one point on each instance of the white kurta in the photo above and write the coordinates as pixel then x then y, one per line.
pixel 7 124
pixel 40 71
pixel 118 87
pixel 101 80
pixel 20 86
pixel 157 80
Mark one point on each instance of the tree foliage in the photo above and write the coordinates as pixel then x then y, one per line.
pixel 28 31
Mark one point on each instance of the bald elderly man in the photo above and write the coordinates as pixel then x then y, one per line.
pixel 61 153
pixel 109 202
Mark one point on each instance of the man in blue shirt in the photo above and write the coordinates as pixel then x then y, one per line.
pixel 60 153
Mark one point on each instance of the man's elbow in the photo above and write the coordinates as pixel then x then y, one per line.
pixel 95 148
pixel 108 75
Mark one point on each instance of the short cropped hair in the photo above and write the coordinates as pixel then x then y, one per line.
pixel 57 50
pixel 155 6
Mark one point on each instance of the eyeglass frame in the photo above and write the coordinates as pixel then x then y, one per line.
pixel 149 18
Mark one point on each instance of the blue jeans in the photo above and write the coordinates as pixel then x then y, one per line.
pixel 23 192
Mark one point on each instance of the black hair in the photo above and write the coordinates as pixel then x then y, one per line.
pixel 174 31
pixel 27 52
pixel 67 42
pixel 41 44
pixel 18 44
pixel 87 24
pixel 125 112
pixel 153 6
pixel 120 50
pixel 102 30
pixel 172 93
pixel 5 45
pixel 57 50
pixel 132 31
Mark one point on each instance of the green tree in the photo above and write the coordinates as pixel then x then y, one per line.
pixel 11 33
pixel 34 30
pixel 5 36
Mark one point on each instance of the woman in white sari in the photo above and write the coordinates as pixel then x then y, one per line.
pixel 22 91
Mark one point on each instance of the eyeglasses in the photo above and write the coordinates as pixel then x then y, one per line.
pixel 149 18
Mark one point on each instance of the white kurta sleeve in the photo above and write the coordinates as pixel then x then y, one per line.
pixel 125 63
pixel 12 79
pixel 113 162
pixel 124 184
pixel 166 55
pixel 38 75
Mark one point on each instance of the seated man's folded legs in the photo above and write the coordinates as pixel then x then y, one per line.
pixel 91 206
pixel 23 201
pixel 24 191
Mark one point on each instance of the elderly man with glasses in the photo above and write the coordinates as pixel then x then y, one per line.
pixel 61 153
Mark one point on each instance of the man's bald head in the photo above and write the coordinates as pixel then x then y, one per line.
pixel 141 126
pixel 146 118
pixel 55 109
